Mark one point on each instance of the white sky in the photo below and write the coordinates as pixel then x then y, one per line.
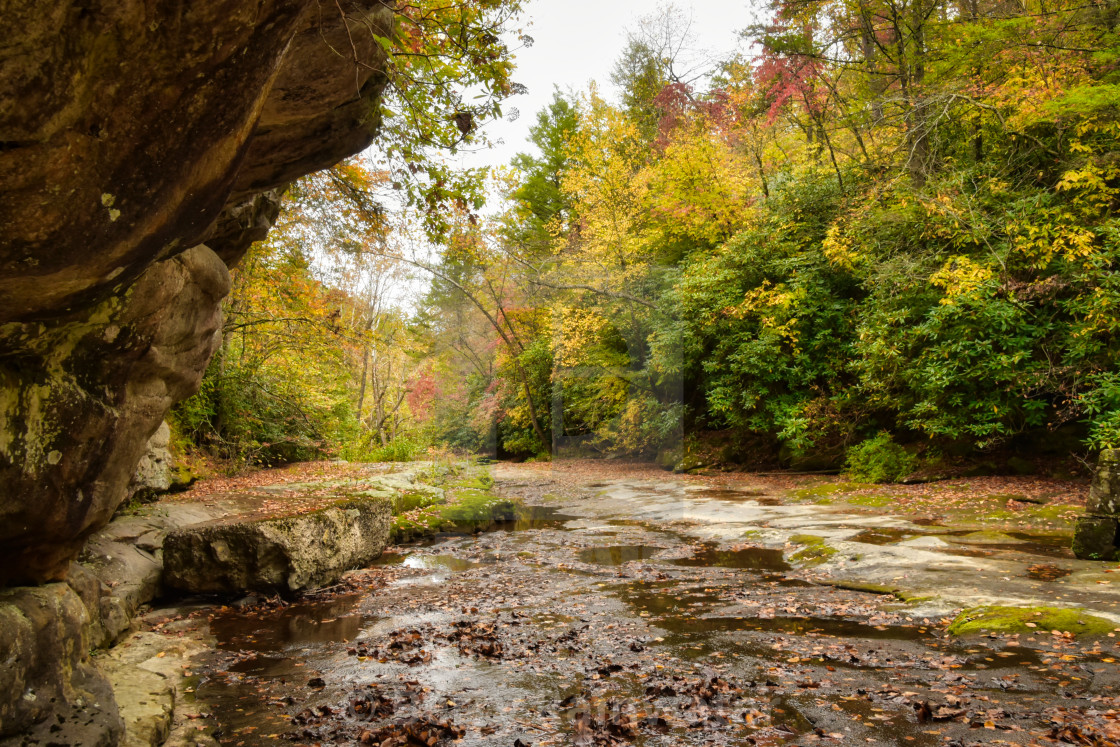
pixel 577 41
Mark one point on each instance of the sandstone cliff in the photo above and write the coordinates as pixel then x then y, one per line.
pixel 143 147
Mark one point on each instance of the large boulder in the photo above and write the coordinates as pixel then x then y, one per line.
pixel 1098 532
pixel 144 144
pixel 1104 493
pixel 282 554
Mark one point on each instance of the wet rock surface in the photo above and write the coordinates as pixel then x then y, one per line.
pixel 149 675
pixel 647 617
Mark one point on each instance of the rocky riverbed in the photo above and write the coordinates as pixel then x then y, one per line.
pixel 628 606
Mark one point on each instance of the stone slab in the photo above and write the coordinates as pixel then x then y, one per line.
pixel 284 554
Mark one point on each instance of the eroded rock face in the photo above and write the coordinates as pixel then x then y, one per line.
pixel 278 554
pixel 46 672
pixel 143 147
pixel 80 399
pixel 153 473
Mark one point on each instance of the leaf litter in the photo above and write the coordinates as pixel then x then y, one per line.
pixel 536 648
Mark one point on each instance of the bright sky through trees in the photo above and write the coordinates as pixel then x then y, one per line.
pixel 579 41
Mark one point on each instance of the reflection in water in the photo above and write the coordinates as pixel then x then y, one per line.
pixel 618 554
pixel 681 610
pixel 735 494
pixel 440 563
pixel 534 517
pixel 748 558
pixel 298 624
pixel 885 536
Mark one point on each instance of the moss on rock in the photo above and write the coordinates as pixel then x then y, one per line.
pixel 409 500
pixel 997 619
pixel 824 492
pixel 470 509
pixel 870 500
pixel 814 551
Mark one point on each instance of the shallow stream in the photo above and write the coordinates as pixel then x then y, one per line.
pixel 622 615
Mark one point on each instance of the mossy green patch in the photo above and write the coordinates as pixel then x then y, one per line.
pixel 806 539
pixel 813 554
pixel 478 505
pixel 905 596
pixel 476 481
pixel 409 500
pixel 827 489
pixel 470 510
pixel 1028 619
pixel 871 500
pixel 1055 512
pixel 860 586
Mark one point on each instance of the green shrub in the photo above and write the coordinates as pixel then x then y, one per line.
pixel 880 459
pixel 369 449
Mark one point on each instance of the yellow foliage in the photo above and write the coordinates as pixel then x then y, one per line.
pixel 838 249
pixel 959 276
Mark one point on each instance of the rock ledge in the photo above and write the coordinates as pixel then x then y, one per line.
pixel 284 554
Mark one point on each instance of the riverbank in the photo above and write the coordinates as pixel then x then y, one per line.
pixel 632 606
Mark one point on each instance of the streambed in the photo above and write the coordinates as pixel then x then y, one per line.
pixel 647 612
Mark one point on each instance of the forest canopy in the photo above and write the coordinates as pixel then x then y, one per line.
pixel 888 233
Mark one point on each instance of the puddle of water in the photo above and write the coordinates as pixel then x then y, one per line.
pixel 297 625
pixel 268 667
pixel 750 558
pixel 242 712
pixel 1044 572
pixel 432 562
pixel 533 517
pixel 884 536
pixel 785 712
pixel 618 554
pixel 627 523
pixel 667 599
pixel 1012 658
pixel 827 627
pixel 1053 546
pixel 1029 548
pixel 889 727
pixel 680 609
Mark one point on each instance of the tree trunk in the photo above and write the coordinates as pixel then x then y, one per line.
pixel 365 375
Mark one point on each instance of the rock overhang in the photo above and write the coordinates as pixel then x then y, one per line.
pixel 143 147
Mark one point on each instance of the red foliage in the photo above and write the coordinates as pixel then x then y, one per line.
pixel 422 395
pixel 678 103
